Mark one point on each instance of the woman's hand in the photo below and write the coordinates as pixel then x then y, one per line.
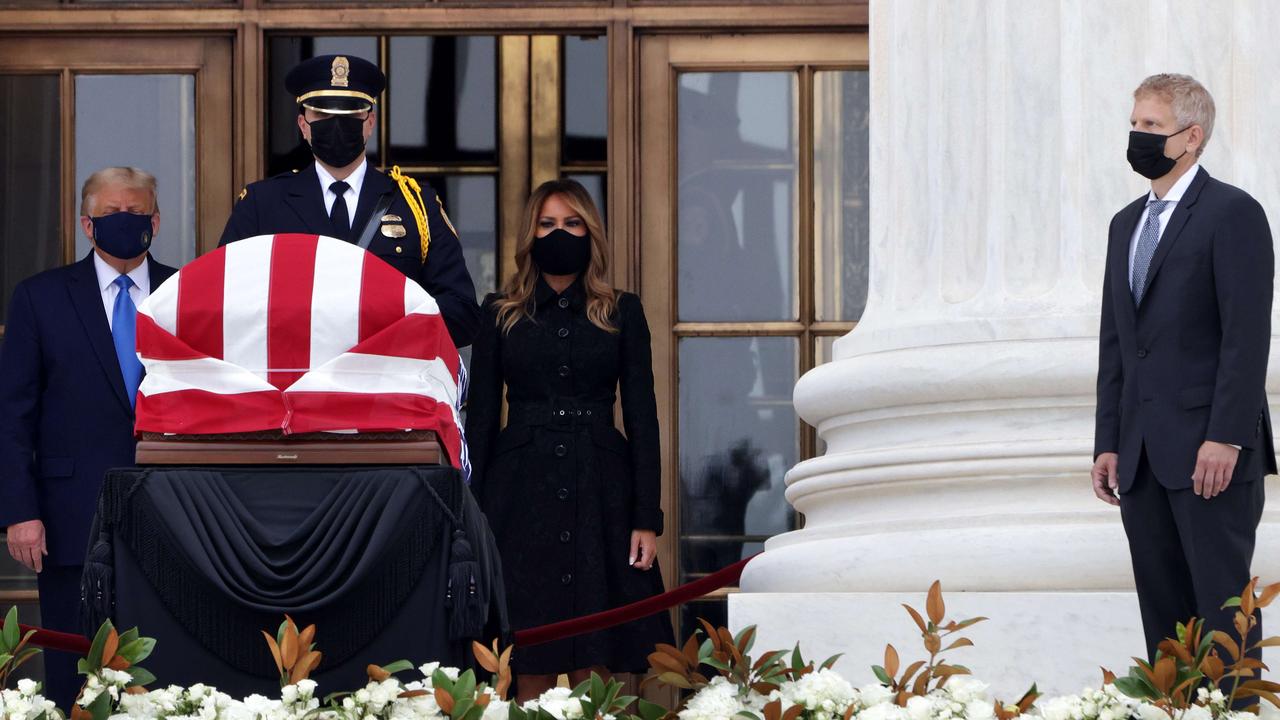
pixel 644 549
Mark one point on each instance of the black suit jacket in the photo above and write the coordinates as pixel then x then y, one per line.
pixel 64 416
pixel 1190 363
pixel 293 202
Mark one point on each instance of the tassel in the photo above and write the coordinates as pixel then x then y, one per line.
pixel 466 615
pixel 97 586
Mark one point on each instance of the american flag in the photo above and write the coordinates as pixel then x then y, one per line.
pixel 299 333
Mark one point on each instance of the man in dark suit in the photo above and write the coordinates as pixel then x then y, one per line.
pixel 339 195
pixel 1183 433
pixel 68 378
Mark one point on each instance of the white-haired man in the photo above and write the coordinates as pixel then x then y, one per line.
pixel 68 379
pixel 1183 434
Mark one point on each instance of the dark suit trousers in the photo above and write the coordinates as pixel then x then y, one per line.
pixel 59 587
pixel 1189 554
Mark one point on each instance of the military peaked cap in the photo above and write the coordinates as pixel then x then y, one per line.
pixel 339 84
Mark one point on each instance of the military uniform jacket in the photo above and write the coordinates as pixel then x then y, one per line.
pixel 294 203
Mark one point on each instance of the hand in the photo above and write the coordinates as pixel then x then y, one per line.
pixel 26 544
pixel 1215 463
pixel 1105 479
pixel 644 548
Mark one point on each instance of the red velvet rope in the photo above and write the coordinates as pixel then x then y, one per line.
pixel 79 644
pixel 634 611
pixel 54 640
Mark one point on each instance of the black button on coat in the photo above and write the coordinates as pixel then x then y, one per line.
pixel 561 487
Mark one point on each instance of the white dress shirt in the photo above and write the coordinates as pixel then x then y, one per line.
pixel 352 195
pixel 1172 197
pixel 107 275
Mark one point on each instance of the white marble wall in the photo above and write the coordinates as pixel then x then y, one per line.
pixel 958 416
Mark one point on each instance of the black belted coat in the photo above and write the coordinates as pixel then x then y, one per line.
pixel 562 488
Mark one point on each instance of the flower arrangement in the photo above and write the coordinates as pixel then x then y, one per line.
pixel 1197 675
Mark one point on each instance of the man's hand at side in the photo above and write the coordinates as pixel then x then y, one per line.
pixel 1105 480
pixel 27 545
pixel 1215 464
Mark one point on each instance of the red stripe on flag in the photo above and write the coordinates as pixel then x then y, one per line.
pixel 156 343
pixel 380 412
pixel 418 337
pixel 381 296
pixel 200 293
pixel 293 272
pixel 193 412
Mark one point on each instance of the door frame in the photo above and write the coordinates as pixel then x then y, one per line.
pixel 208 58
pixel 662 58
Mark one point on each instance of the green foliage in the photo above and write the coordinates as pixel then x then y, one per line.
pixel 14 648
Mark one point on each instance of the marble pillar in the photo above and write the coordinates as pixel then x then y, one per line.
pixel 958 415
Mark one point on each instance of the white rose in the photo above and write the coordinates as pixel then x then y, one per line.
pixel 1147 711
pixel 963 688
pixel 874 694
pixel 28 687
pixel 919 708
pixel 307 687
pixel 884 711
pixel 979 710
pixel 1197 712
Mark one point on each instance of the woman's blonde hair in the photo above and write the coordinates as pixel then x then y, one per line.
pixel 517 294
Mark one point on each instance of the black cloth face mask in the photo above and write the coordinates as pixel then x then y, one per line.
pixel 337 141
pixel 1146 153
pixel 122 235
pixel 560 252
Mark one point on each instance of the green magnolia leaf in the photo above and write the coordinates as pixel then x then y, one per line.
pixel 737 639
pixel 514 712
pixel 100 708
pixel 461 707
pixel 141 676
pixel 651 711
pixel 10 634
pixel 465 687
pixel 82 667
pixel 1136 688
pixel 1232 602
pixel 797 660
pixel 747 714
pixel 830 662
pixel 5 658
pixel 882 675
pixel 440 680
pixel 397 666
pixel 597 688
pixel 137 650
pixel 99 642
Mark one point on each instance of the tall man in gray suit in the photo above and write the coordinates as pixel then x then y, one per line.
pixel 1183 434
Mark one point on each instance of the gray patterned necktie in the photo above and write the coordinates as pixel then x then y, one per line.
pixel 1147 243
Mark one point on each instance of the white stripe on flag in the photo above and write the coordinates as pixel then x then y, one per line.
pixel 162 305
pixel 335 300
pixel 248 276
pixel 369 374
pixel 417 301
pixel 209 374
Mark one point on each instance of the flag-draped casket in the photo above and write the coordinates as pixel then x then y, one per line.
pixel 296 333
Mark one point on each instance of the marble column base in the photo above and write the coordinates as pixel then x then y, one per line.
pixel 1057 640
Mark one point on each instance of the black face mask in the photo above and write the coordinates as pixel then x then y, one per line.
pixel 337 141
pixel 1146 154
pixel 123 235
pixel 560 252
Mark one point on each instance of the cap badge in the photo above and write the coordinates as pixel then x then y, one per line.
pixel 340 68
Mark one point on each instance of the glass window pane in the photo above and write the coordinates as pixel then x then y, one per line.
pixel 595 185
pixel 585 71
pixel 471 202
pixel 30 155
pixel 737 197
pixel 738 436
pixel 443 98
pixel 286 149
pixel 841 186
pixel 148 122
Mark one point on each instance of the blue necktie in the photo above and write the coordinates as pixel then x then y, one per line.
pixel 124 334
pixel 1147 243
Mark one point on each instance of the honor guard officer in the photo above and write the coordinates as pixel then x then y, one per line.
pixel 339 195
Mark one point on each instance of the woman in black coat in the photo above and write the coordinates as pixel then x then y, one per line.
pixel 573 504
